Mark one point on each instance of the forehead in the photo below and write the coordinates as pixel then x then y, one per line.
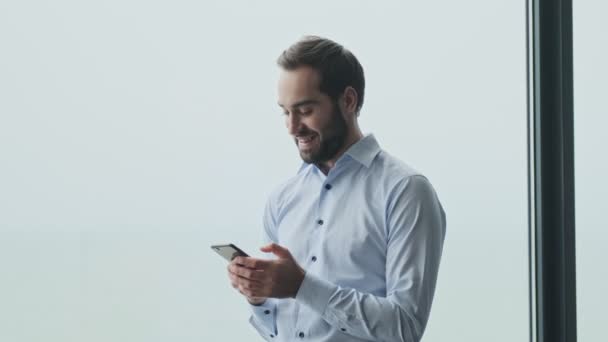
pixel 298 84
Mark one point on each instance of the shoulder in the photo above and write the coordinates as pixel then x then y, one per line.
pixel 399 179
pixel 393 167
pixel 394 172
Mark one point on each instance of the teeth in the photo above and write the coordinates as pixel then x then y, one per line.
pixel 306 140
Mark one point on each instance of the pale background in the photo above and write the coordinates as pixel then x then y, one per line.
pixel 590 42
pixel 134 134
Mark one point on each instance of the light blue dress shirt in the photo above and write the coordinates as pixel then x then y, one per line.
pixel 369 235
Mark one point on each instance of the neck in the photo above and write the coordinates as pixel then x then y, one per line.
pixel 353 136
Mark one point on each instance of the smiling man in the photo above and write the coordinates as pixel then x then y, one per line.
pixel 356 235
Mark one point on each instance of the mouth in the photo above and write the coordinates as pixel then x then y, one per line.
pixel 306 141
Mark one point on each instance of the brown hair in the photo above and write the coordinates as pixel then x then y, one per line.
pixel 337 67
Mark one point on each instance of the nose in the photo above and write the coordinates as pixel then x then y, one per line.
pixel 293 124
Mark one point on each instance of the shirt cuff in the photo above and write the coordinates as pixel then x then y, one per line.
pixel 264 318
pixel 263 333
pixel 315 293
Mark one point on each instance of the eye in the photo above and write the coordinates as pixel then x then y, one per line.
pixel 306 111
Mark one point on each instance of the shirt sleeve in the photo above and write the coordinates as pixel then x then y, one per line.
pixel 263 317
pixel 416 229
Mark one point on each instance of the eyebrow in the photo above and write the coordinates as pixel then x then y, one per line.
pixel 301 103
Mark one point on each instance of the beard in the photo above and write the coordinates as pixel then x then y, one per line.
pixel 330 139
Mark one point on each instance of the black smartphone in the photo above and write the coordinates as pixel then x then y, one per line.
pixel 228 251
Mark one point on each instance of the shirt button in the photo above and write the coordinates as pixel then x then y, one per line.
pixel 301 334
pixel 343 329
pixel 327 186
pixel 267 312
pixel 320 222
pixel 271 335
pixel 314 258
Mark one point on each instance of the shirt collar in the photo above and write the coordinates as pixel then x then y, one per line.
pixel 364 151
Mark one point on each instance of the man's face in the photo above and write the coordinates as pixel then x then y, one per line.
pixel 311 117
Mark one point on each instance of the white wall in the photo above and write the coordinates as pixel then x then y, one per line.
pixel 134 134
pixel 591 166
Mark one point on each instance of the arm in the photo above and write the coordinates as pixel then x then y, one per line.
pixel 266 281
pixel 416 230
pixel 263 317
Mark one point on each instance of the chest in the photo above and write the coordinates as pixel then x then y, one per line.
pixel 338 235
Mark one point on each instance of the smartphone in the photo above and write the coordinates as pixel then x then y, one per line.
pixel 228 251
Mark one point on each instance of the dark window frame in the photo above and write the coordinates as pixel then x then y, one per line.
pixel 551 171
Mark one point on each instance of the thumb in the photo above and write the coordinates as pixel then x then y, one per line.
pixel 277 250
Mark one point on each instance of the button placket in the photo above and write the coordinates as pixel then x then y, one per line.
pixel 322 195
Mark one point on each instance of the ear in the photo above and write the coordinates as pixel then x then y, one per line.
pixel 350 100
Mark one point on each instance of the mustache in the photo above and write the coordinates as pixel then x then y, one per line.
pixel 303 134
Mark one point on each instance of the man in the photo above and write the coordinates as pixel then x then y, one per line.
pixel 356 235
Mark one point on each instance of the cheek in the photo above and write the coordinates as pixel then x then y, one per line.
pixel 320 126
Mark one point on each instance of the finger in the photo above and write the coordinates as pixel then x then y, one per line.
pixel 246 287
pixel 247 291
pixel 233 277
pixel 277 250
pixel 251 262
pixel 233 280
pixel 252 288
pixel 247 273
pixel 251 285
pixel 267 248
